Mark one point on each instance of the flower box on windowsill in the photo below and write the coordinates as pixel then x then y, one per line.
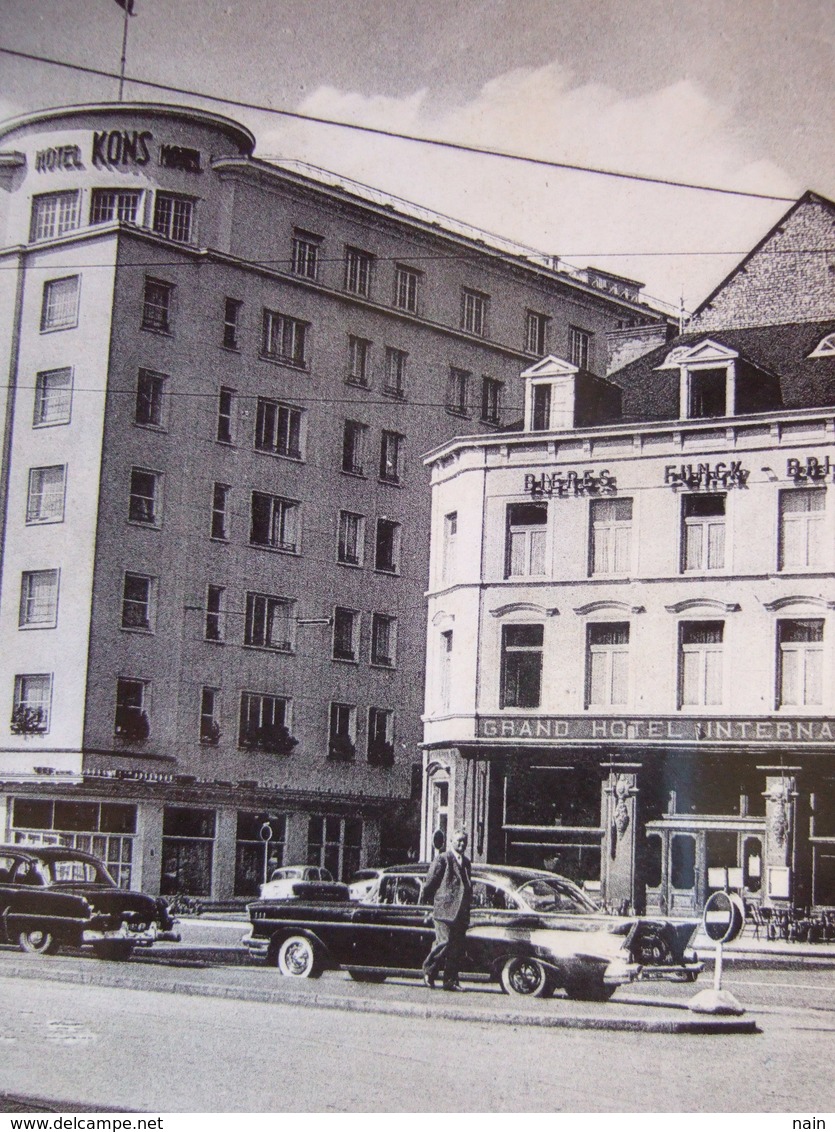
pixel 27 721
pixel 132 726
pixel 380 753
pixel 275 740
pixel 341 749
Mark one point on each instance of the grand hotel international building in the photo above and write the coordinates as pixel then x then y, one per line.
pixel 221 375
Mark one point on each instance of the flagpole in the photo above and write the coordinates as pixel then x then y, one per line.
pixel 124 51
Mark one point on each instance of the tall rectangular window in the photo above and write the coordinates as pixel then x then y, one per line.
pixel 579 347
pixel 284 339
pixel 802 518
pixel 264 723
pixel 703 532
pixel 458 392
pixel 406 284
pixel 174 217
pixel 358 268
pixel 445 669
pixel 491 400
pixel 45 501
pixel 335 843
pixel 53 398
pixel 225 415
pixel 268 622
pixel 521 674
pixel 157 305
pixel 800 663
pixel 351 538
pixel 611 536
pixel 107 205
pixel 131 722
pixel 395 377
pixel 474 312
pixel 220 510
pixel 32 703
pixel 210 716
pixel 53 214
pixel 346 627
pixel 145 497
pixel 607 664
pixel 278 428
pixel 275 522
pixel 59 310
pixel 150 394
pixel 353 445
pixel 450 547
pixel 391 456
pixel 342 737
pixel 214 628
pixel 138 602
pixel 536 327
pixel 306 254
pixel 359 360
pixel 380 737
pixel 387 547
pixel 541 421
pixel 527 528
pixel 232 323
pixel 383 640
pixel 700 663
pixel 38 599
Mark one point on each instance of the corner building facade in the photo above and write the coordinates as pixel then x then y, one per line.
pixel 630 628
pixel 221 375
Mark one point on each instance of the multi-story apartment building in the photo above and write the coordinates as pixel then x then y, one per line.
pixel 222 375
pixel 630 628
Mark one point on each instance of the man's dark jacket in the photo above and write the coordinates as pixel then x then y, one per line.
pixel 449 887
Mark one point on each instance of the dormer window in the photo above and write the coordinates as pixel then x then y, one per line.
pixel 706 393
pixel 825 348
pixel 708 380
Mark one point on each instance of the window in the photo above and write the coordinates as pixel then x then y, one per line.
pixel 491 400
pixel 174 217
pixel 406 283
pixel 114 204
pixel 521 665
pixel 278 428
pixel 607 661
pixel 342 736
pixel 703 532
pixel 391 456
pixel 284 339
pixel 458 392
pixel 275 522
pixel 150 393
pixel 45 503
pixel 802 528
pixel 380 737
pixel 446 669
pixel 231 323
pixel 156 305
pixel 346 627
pixel 706 393
pixel 214 628
pixel 145 497
pixel 306 254
pixel 474 312
pixel 353 443
pixel 541 416
pixel 225 415
pixel 32 703
pixel 264 724
pixel 53 398
pixel 450 546
pixel 335 843
pixel 38 599
pixel 137 601
pixel 351 538
pixel 53 214
pixel 383 640
pixel 800 663
pixel 536 327
pixel 579 347
pixel 700 663
pixel 395 377
pixel 132 697
pixel 210 716
pixel 220 510
pixel 268 622
pixel 358 266
pixel 59 310
pixel 611 536
pixel 387 548
pixel 359 361
pixel 527 526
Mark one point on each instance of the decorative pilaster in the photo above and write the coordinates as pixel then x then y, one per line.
pixel 619 814
pixel 780 835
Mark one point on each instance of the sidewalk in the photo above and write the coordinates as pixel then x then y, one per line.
pixel 779 952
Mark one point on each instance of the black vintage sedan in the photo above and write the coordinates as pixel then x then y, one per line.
pixel 530 930
pixel 53 897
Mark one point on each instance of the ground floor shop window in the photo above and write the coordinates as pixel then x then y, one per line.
pixel 335 843
pixel 105 829
pixel 187 845
pixel 823 866
pixel 252 849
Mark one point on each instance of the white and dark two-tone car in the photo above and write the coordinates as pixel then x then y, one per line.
pixel 532 931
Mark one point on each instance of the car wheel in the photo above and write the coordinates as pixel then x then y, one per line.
pixel 38 942
pixel 297 958
pixel 526 977
pixel 367 976
pixel 588 989
pixel 115 950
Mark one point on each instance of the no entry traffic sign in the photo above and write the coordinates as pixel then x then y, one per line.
pixel 724 917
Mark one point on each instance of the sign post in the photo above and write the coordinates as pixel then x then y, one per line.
pixel 724 919
pixel 266 835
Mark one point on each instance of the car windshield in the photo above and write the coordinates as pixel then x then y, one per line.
pixel 546 895
pixel 76 870
pixel 287 874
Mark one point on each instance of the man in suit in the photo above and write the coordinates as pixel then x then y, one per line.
pixel 449 887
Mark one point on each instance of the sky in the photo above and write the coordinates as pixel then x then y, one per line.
pixel 728 93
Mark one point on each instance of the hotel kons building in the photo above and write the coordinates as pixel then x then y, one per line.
pixel 631 624
pixel 220 375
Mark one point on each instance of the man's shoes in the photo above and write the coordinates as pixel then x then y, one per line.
pixel 453 986
pixel 428 980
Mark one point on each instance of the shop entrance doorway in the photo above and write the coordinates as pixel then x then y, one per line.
pixel 687 858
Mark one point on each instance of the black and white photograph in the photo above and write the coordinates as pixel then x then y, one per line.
pixel 417 560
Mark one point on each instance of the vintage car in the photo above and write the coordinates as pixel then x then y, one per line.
pixel 53 897
pixel 530 930
pixel 294 880
pixel 362 883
